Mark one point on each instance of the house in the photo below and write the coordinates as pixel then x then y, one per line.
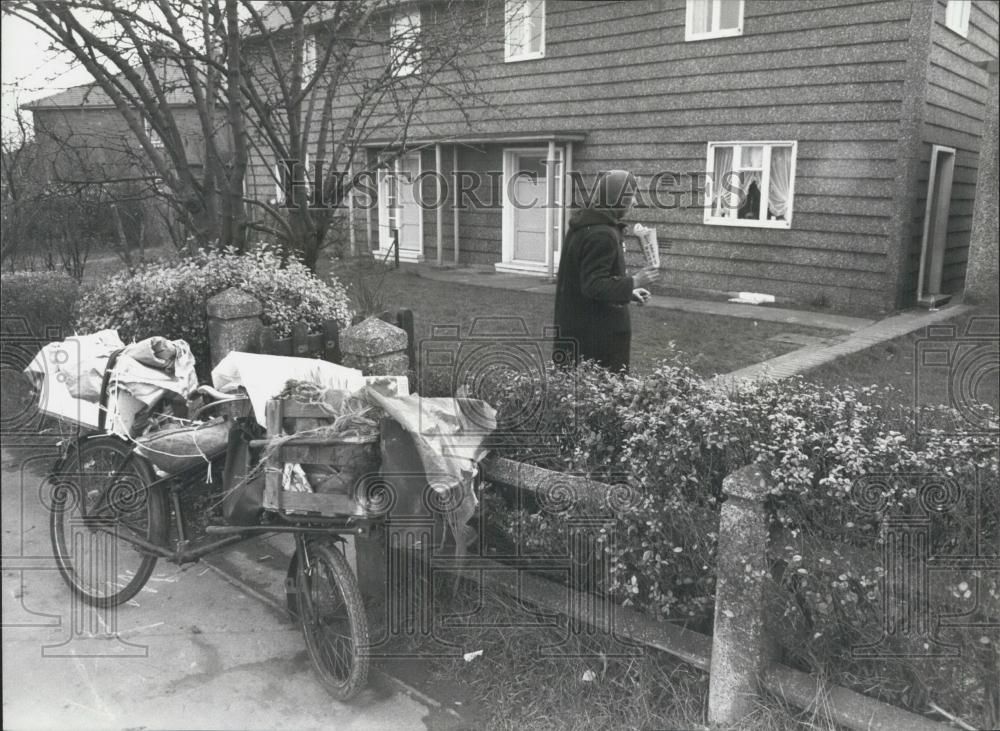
pixel 818 150
pixel 84 136
pixel 85 142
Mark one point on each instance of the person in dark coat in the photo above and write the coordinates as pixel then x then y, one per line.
pixel 592 290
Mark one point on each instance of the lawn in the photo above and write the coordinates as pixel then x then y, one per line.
pixel 709 344
pixel 968 370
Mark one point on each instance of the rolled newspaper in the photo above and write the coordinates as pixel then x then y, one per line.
pixel 650 247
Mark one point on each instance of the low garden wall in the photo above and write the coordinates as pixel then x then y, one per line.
pixel 871 537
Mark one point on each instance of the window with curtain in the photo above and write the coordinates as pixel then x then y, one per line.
pixel 524 30
pixel 713 19
pixel 956 16
pixel 750 184
pixel 404 43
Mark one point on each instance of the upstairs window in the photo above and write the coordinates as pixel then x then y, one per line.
pixel 404 43
pixel 524 30
pixel 956 16
pixel 308 60
pixel 750 184
pixel 152 134
pixel 301 180
pixel 713 19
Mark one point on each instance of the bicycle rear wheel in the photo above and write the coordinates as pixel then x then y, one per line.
pixel 100 499
pixel 333 618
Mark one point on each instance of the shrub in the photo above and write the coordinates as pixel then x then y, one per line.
pixel 829 452
pixel 42 299
pixel 169 299
pixel 36 307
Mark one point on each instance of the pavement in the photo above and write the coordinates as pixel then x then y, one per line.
pixel 205 646
pixel 858 333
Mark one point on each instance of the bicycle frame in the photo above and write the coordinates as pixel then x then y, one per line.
pixel 230 534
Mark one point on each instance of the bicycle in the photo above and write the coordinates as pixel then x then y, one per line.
pixel 113 516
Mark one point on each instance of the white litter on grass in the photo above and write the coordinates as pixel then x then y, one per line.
pixel 589 676
pixel 470 656
pixel 752 298
pixel 139 630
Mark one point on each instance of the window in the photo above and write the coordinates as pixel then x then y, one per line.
pixel 308 60
pixel 404 45
pixel 956 16
pixel 152 134
pixel 301 182
pixel 713 19
pixel 524 30
pixel 750 184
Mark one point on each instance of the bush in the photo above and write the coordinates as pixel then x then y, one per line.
pixel 169 299
pixel 36 307
pixel 829 452
pixel 43 299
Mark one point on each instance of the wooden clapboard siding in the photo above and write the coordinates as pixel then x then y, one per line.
pixel 953 116
pixel 836 76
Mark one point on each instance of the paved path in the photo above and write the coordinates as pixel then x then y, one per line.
pixel 804 359
pixel 194 651
pixel 524 283
pixel 861 333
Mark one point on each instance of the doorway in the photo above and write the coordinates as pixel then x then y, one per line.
pixel 935 236
pixel 399 208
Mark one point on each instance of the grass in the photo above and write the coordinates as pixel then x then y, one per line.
pixel 894 364
pixel 709 344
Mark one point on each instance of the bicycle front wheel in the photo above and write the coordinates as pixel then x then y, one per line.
pixel 101 503
pixel 333 619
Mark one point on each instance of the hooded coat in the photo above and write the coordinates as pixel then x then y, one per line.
pixel 593 292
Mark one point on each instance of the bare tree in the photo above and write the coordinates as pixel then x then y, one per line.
pixel 277 81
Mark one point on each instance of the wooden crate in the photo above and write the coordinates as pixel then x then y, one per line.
pixel 308 450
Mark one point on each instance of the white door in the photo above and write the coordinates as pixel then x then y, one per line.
pixel 399 208
pixel 525 200
pixel 528 202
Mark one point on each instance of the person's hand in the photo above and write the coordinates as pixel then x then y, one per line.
pixel 645 276
pixel 640 296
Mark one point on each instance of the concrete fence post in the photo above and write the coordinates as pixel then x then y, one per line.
pixel 233 322
pixel 375 347
pixel 741 650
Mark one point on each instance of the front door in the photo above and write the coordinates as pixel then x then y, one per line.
pixel 528 201
pixel 525 203
pixel 399 209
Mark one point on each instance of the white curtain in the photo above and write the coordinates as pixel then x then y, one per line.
pixel 721 170
pixel 781 182
pixel 701 10
pixel 535 20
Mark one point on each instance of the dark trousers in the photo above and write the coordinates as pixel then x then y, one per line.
pixel 610 350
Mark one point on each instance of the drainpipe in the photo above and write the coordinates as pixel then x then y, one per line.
pixel 550 203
